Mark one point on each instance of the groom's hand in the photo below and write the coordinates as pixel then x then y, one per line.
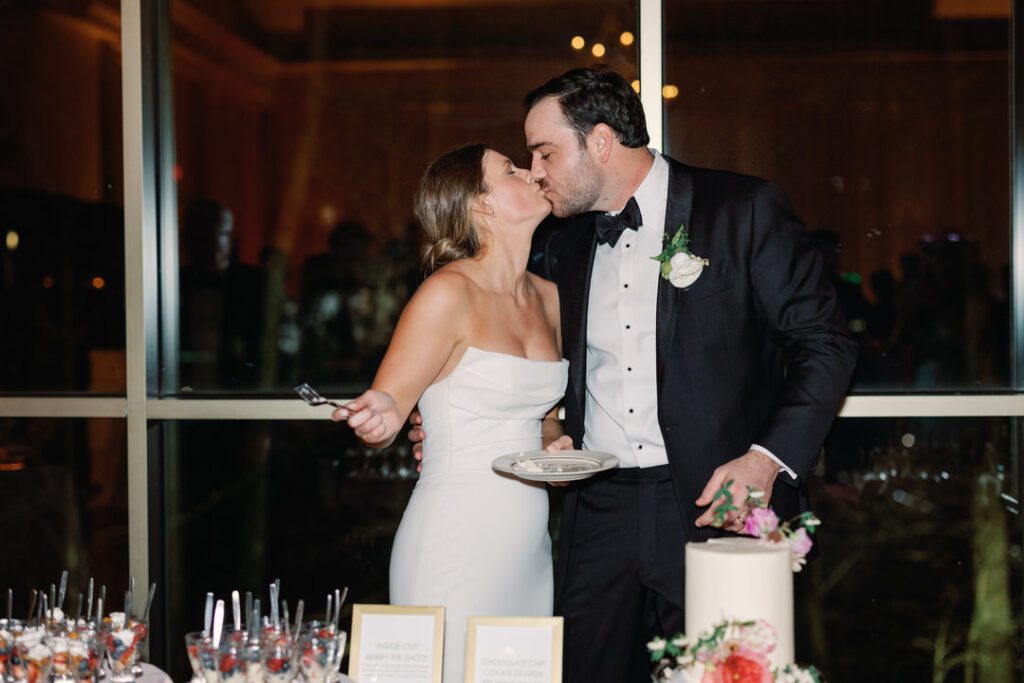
pixel 753 469
pixel 562 443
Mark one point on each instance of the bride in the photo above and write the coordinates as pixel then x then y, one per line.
pixel 478 348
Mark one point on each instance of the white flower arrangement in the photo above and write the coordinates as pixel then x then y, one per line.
pixel 679 265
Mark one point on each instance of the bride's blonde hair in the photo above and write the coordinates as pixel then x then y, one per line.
pixel 442 206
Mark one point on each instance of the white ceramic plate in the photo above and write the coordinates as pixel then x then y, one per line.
pixel 560 466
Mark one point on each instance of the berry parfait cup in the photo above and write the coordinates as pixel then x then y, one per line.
pixel 10 629
pixel 278 656
pixel 199 649
pixel 321 649
pixel 121 643
pixel 34 659
pixel 63 671
pixel 84 650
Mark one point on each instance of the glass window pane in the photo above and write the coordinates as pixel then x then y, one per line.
pixel 302 131
pixel 888 128
pixel 64 493
pixel 61 218
pixel 919 576
pixel 249 502
pixel 921 534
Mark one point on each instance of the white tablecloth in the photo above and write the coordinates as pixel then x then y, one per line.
pixel 151 674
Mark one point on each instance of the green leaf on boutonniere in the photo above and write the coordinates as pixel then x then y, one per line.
pixel 678 244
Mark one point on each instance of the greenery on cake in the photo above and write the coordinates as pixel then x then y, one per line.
pixel 732 651
pixel 762 523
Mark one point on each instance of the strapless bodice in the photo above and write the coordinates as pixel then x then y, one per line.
pixel 491 404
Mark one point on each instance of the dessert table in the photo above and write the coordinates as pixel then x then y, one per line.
pixel 152 674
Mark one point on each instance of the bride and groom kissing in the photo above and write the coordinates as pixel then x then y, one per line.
pixel 678 314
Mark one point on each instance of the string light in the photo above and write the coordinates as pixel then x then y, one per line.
pixel 578 42
pixel 12 240
pixel 98 282
pixel 636 86
pixel 597 50
pixel 626 38
pixel 669 92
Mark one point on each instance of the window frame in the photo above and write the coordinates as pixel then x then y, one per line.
pixel 151 267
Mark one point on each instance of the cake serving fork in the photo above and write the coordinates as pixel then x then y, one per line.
pixel 313 397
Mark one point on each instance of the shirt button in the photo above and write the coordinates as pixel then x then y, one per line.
pixel 627 246
pixel 639 446
pixel 631 411
pixel 629 369
pixel 627 327
pixel 625 286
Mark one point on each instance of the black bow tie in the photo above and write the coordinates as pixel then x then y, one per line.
pixel 609 227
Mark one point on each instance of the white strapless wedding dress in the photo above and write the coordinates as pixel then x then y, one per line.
pixel 473 540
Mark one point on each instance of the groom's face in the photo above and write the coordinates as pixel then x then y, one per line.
pixel 570 178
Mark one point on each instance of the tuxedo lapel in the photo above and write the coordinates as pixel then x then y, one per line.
pixel 577 269
pixel 678 209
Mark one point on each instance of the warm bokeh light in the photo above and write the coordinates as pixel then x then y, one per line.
pixel 626 38
pixel 328 214
pixel 578 42
pixel 669 92
pixel 12 240
pixel 48 282
pixel 636 86
pixel 597 50
pixel 98 282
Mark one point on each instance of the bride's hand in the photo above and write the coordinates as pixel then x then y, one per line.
pixel 373 417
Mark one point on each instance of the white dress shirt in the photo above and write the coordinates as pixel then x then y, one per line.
pixel 621 412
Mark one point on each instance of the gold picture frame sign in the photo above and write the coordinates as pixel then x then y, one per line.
pixel 514 648
pixel 392 642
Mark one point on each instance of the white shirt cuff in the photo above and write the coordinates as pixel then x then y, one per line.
pixel 762 449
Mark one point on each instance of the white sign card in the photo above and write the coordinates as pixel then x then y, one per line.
pixel 514 650
pixel 396 644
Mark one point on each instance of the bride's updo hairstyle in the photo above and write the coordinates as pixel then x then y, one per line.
pixel 443 206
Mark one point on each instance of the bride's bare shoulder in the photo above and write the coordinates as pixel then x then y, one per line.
pixel 446 287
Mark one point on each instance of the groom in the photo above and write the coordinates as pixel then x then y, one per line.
pixel 735 375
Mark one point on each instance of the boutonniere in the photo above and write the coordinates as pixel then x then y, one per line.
pixel 679 265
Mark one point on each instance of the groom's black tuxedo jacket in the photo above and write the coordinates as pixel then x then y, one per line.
pixel 755 351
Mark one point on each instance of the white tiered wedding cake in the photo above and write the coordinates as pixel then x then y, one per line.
pixel 739 602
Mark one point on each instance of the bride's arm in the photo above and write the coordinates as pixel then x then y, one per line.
pixel 427 333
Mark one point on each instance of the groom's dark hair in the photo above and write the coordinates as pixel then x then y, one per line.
pixel 596 95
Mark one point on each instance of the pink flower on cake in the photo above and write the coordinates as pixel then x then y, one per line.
pixel 761 522
pixel 732 651
pixel 759 637
pixel 800 544
pixel 737 668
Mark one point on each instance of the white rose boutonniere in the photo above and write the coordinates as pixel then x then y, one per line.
pixel 679 265
pixel 685 269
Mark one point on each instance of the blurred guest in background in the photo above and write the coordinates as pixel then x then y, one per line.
pixel 332 305
pixel 221 304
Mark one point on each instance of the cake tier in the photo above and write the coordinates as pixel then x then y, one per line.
pixel 741 578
